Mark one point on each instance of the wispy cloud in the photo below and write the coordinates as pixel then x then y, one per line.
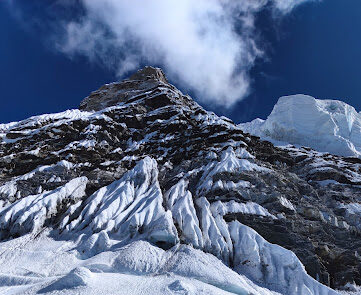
pixel 207 45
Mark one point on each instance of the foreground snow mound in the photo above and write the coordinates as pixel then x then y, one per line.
pixel 136 268
pixel 78 277
pixel 324 125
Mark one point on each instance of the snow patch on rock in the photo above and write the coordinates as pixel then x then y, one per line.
pixel 223 208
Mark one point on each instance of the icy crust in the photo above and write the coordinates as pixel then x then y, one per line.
pixel 30 213
pixel 129 206
pixel 324 125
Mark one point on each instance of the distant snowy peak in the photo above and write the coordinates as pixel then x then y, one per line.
pixel 324 125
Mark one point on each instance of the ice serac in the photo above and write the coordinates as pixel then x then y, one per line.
pixel 265 262
pixel 30 213
pixel 324 125
pixel 142 191
pixel 129 206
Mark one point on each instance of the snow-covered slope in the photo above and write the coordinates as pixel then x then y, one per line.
pixel 324 125
pixel 131 209
pixel 144 192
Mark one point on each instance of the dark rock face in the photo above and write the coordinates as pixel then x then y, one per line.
pixel 144 80
pixel 149 73
pixel 310 193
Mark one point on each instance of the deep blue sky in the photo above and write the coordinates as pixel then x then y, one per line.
pixel 315 50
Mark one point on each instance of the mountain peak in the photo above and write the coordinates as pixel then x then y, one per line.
pixel 146 79
pixel 149 73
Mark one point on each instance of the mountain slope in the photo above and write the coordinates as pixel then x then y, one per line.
pixel 142 184
pixel 324 125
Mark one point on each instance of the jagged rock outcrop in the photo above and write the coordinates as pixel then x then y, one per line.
pixel 147 79
pixel 154 165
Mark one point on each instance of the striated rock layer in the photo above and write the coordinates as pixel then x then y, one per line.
pixel 141 180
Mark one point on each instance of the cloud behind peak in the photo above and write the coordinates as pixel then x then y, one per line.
pixel 207 45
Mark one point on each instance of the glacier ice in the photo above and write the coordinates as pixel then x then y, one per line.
pixel 324 125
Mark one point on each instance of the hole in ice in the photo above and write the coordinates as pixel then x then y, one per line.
pixel 164 245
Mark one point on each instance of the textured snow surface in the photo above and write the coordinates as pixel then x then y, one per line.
pixel 136 268
pixel 324 125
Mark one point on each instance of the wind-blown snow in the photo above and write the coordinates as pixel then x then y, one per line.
pixel 324 125
pixel 224 208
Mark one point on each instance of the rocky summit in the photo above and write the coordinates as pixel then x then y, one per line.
pixel 142 185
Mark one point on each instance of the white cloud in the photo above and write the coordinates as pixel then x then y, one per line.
pixel 197 42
